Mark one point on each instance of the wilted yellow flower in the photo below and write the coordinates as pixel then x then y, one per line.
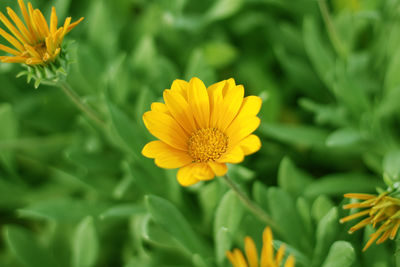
pixel 201 129
pixel 33 40
pixel 381 209
pixel 267 254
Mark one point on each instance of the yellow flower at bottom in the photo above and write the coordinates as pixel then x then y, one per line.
pixel 34 41
pixel 268 259
pixel 381 209
pixel 201 129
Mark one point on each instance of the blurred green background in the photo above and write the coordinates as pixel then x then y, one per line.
pixel 72 194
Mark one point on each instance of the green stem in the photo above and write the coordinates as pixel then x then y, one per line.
pixel 66 88
pixel 333 35
pixel 251 206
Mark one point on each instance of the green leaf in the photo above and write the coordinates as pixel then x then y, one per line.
pixel 341 254
pixel 338 184
pixel 327 230
pixel 223 9
pixel 122 211
pixel 321 57
pixel 292 179
pixel 27 249
pixel 260 194
pixel 240 173
pixel 391 165
pixel 343 137
pixel 227 220
pixel 9 131
pixel 321 206
pixel 219 54
pixel 171 219
pixel 125 129
pixel 300 135
pixel 283 211
pixel 85 244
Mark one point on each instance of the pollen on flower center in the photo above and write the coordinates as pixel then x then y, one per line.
pixel 207 144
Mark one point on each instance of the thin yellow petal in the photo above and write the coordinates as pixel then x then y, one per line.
pixel 231 258
pixel 359 196
pixel 290 261
pixel 199 102
pixel 239 258
pixel 251 252
pixel 9 50
pixel 6 59
pixel 220 169
pixel 12 29
pixel 21 27
pixel 33 61
pixel 27 18
pixel 280 254
pixel 353 216
pixel 40 20
pixel 53 20
pixel 166 156
pixel 267 251
pixel 73 25
pixel 32 51
pixel 250 144
pixel 165 128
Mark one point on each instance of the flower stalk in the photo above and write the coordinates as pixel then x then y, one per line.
pixel 251 206
pixel 74 97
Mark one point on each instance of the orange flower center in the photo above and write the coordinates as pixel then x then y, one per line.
pixel 207 144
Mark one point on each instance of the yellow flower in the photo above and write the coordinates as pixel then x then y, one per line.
pixel 34 42
pixel 267 254
pixel 381 209
pixel 201 129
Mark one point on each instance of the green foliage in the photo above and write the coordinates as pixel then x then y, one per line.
pixel 75 194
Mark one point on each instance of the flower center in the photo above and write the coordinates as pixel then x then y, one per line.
pixel 207 144
pixel 41 49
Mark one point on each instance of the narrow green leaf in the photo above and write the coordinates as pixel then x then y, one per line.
pixel 85 244
pixel 301 135
pixel 338 184
pixel 171 219
pixel 27 249
pixel 227 220
pixel 292 179
pixel 223 9
pixel 122 211
pixel 341 254
pixel 343 137
pixel 327 230
pixel 391 165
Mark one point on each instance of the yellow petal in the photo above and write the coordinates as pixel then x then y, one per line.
pixel 251 106
pixel 165 128
pixel 239 257
pixel 73 25
pixel 231 258
pixel 160 107
pixel 181 87
pixel 180 110
pixel 216 99
pixel 9 50
pixel 290 261
pixel 231 104
pixel 241 128
pixel 193 173
pixel 250 144
pixel 234 155
pixel 199 102
pixel 166 156
pixel 267 250
pixel 219 169
pixel 251 252
pixel 53 20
